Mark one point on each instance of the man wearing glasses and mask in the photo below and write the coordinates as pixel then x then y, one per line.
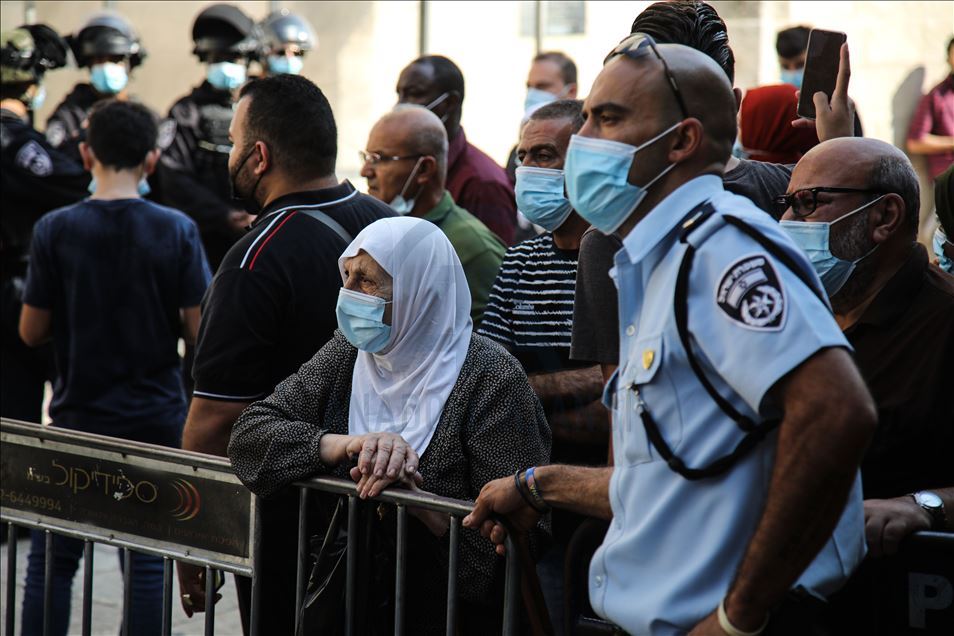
pixel 853 207
pixel 476 182
pixel 739 419
pixel 406 167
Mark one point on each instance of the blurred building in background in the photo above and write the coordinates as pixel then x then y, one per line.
pixel 898 50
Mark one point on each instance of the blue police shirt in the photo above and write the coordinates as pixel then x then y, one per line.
pixel 674 545
pixel 114 275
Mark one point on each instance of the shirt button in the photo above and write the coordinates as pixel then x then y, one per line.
pixel 599 580
pixel 630 330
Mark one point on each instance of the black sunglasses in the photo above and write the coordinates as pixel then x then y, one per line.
pixel 804 202
pixel 637 45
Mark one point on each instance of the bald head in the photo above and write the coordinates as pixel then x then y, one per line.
pixel 414 130
pixel 857 162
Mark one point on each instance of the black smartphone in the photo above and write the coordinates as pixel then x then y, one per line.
pixel 821 68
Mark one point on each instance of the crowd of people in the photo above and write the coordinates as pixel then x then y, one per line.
pixel 686 316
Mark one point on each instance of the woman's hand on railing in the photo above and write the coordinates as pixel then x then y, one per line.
pixel 501 498
pixel 192 587
pixel 382 458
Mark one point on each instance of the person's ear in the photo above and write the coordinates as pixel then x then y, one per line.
pixel 152 159
pixel 738 98
pixel 891 218
pixel 688 140
pixel 86 153
pixel 571 91
pixel 454 101
pixel 427 171
pixel 265 158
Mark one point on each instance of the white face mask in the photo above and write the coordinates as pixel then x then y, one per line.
pixel 401 205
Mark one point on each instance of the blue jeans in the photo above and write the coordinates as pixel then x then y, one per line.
pixel 145 615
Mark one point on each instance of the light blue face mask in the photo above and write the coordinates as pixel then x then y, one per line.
pixel 540 196
pixel 596 173
pixel 813 237
pixel 537 98
pixel 108 78
pixel 143 188
pixel 39 96
pixel 360 318
pixel 944 261
pixel 283 64
pixel 226 76
pixel 793 77
pixel 401 205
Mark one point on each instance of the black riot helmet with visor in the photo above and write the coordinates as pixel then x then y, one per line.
pixel 29 51
pixel 223 31
pixel 106 34
pixel 282 28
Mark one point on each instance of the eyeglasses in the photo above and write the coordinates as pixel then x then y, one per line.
pixel 373 158
pixel 803 202
pixel 637 45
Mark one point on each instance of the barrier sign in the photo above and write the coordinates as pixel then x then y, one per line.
pixel 116 493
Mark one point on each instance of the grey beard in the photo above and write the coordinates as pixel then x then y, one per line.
pixel 851 244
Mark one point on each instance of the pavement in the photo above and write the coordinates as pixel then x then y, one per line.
pixel 108 597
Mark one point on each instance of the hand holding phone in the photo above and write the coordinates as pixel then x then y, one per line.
pixel 834 117
pixel 821 69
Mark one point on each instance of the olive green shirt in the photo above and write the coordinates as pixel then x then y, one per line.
pixel 479 250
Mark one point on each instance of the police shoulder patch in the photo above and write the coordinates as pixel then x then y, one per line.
pixel 167 133
pixel 750 293
pixel 56 133
pixel 34 158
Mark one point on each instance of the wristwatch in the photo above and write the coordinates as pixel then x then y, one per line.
pixel 934 505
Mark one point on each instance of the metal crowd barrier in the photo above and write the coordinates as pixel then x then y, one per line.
pixel 182 506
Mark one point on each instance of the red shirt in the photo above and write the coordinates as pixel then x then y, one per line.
pixel 935 116
pixel 481 187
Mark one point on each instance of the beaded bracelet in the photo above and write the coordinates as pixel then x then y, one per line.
pixel 534 491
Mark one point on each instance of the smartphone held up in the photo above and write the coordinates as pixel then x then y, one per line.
pixel 821 68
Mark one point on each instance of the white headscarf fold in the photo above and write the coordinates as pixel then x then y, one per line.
pixel 402 389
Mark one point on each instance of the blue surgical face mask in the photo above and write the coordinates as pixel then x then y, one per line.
pixel 401 205
pixel 143 188
pixel 361 320
pixel 226 76
pixel 537 98
pixel 108 78
pixel 540 196
pixel 39 96
pixel 279 64
pixel 793 77
pixel 944 261
pixel 596 172
pixel 814 239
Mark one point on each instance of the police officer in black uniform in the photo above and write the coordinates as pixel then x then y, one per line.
pixel 193 173
pixel 108 46
pixel 35 179
pixel 286 38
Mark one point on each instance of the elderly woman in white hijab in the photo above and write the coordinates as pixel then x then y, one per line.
pixel 405 387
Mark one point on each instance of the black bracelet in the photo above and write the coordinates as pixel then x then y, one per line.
pixel 526 496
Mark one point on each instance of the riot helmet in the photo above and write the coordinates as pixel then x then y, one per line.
pixel 29 51
pixel 106 34
pixel 282 28
pixel 224 29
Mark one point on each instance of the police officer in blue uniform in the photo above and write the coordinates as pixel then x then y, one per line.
pixel 739 419
pixel 35 178
pixel 193 174
pixel 108 46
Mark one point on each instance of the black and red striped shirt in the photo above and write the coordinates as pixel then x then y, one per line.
pixel 271 305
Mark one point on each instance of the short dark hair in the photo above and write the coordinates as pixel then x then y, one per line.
pixel 792 41
pixel 567 66
pixel 895 174
pixel 14 90
pixel 692 23
pixel 292 115
pixel 571 109
pixel 121 133
pixel 447 75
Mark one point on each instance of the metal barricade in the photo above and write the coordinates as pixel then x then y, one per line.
pixel 166 502
pixel 402 499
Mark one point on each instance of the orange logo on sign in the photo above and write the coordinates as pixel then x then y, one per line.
pixel 189 500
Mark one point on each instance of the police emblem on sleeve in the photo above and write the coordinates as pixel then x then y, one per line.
pixel 56 133
pixel 750 293
pixel 34 158
pixel 167 133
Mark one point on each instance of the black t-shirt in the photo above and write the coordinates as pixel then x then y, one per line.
pixel 114 275
pixel 595 313
pixel 271 305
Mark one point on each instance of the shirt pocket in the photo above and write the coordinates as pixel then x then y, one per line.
pixel 641 372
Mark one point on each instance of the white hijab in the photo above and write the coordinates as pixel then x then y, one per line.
pixel 403 388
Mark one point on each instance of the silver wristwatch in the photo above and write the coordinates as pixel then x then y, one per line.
pixel 934 505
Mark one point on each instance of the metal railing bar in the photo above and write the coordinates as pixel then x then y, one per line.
pixel 256 605
pixel 48 583
pixel 10 618
pixel 209 601
pixel 88 547
pixel 511 589
pixel 426 501
pixel 400 565
pixel 452 554
pixel 352 563
pixel 302 548
pixel 122 543
pixel 167 583
pixel 127 589
pixel 129 447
